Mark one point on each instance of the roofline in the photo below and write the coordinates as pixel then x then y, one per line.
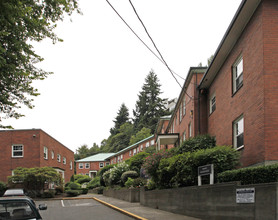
pixel 190 73
pixel 127 148
pixel 95 160
pixel 36 129
pixel 240 20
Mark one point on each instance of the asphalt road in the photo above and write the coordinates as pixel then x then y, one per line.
pixel 83 209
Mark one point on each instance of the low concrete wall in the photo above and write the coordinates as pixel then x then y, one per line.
pixel 215 201
pixel 130 195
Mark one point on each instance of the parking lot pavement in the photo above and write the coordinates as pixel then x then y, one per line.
pixel 139 210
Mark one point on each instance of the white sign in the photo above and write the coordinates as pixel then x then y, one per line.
pixel 245 195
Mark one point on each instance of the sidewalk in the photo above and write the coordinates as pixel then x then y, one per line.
pixel 139 210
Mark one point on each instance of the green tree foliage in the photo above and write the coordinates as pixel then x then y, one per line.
pixel 121 140
pixel 121 118
pixel 84 151
pixel 135 162
pixel 35 178
pixel 149 106
pixel 22 22
pixel 140 135
pixel 197 143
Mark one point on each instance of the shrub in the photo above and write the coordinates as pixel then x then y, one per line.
pixel 197 143
pixel 136 162
pixel 95 182
pixel 3 187
pixel 59 190
pixel 152 162
pixel 84 179
pixel 73 192
pixel 113 176
pixel 182 170
pixel 138 182
pixel 74 186
pixel 102 171
pixel 151 184
pixel 129 182
pixel 128 174
pixel 48 194
pixel 84 190
pixel 252 175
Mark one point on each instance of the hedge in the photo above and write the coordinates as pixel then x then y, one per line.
pixel 182 170
pixel 252 175
pixel 128 174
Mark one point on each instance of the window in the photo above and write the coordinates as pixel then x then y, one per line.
pixel 152 142
pixel 52 154
pixel 212 103
pixel 238 74
pixel 70 165
pixel 238 130
pixel 130 153
pixel 189 130
pixel 64 160
pixel 180 113
pixel 45 153
pixel 87 165
pixel 138 149
pixel 184 135
pixel 141 147
pixel 147 144
pixel 17 151
pixel 183 106
pixel 121 157
pixel 101 165
pixel 59 158
pixel 80 165
pixel 107 163
pixel 134 151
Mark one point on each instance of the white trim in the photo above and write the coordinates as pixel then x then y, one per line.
pixel 237 129
pixel 45 153
pixel 13 151
pixel 237 66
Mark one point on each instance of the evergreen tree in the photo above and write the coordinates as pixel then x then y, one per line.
pixel 122 118
pixel 149 106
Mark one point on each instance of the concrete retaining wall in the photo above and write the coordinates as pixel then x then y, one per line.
pixel 130 195
pixel 215 201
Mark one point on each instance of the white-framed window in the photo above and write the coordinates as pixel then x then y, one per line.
pixel 52 154
pixel 212 103
pixel 238 132
pixel 152 142
pixel 107 163
pixel 101 165
pixel 147 144
pixel 141 147
pixel 121 157
pixel 183 106
pixel 70 165
pixel 17 150
pixel 184 136
pixel 237 74
pixel 134 151
pixel 138 149
pixel 87 165
pixel 130 152
pixel 64 160
pixel 180 113
pixel 45 153
pixel 80 165
pixel 189 130
pixel 59 158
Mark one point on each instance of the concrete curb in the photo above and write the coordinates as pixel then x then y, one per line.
pixel 120 210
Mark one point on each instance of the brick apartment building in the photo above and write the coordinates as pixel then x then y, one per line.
pixel 236 98
pixel 132 150
pixel 91 165
pixel 33 148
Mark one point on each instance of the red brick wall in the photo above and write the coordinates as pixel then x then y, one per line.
pixel 57 148
pixel 249 100
pixel 33 142
pixel 270 50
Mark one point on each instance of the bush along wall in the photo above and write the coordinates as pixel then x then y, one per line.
pixel 252 175
pixel 182 169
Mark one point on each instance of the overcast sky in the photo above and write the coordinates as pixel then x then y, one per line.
pixel 101 64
